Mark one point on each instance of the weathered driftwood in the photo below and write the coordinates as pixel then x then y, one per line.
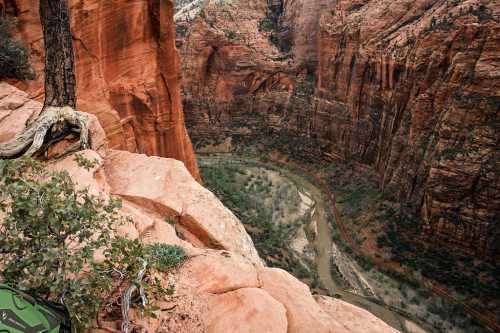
pixel 45 129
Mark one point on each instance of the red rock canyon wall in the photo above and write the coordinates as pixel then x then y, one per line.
pixel 127 70
pixel 409 88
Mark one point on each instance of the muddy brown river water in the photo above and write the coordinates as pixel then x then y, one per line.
pixel 323 246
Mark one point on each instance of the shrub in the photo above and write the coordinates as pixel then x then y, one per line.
pixel 365 262
pixel 50 233
pixel 355 7
pixel 446 24
pixel 382 241
pixel 450 153
pixel 482 13
pixel 14 57
pixel 165 256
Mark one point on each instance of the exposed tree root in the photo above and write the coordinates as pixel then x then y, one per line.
pixel 127 295
pixel 44 129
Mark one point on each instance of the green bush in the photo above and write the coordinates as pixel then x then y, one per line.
pixel 445 24
pixel 355 7
pixel 51 232
pixel 165 256
pixel 14 57
pixel 482 13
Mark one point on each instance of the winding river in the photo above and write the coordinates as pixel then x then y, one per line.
pixel 324 247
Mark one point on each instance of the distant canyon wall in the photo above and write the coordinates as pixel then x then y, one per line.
pixel 127 70
pixel 409 88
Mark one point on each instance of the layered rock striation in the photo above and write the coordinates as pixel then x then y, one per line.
pixel 127 71
pixel 223 285
pixel 408 88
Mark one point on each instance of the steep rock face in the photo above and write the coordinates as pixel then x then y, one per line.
pixel 165 186
pixel 301 18
pixel 231 69
pixel 127 71
pixel 415 86
pixel 338 308
pixel 407 88
pixel 225 52
pixel 221 290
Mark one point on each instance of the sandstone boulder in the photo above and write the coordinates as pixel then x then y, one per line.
pixel 247 310
pixel 303 313
pixel 165 186
pixel 354 319
pixel 217 272
pixel 15 111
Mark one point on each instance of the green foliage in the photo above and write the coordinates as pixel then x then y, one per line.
pixel 482 13
pixel 365 262
pixel 266 24
pixel 14 57
pixel 51 232
pixel 164 256
pixel 85 163
pixel 445 24
pixel 231 35
pixel 271 23
pixel 311 77
pixel 285 45
pixel 170 221
pixel 246 198
pixel 181 29
pixel 267 235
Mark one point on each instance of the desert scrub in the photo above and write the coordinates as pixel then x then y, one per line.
pixel 164 257
pixel 50 233
pixel 261 203
pixel 14 57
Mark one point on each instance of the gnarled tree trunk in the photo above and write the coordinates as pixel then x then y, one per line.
pixel 58 116
pixel 60 81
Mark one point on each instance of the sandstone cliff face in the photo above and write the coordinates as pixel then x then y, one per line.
pixel 419 82
pixel 409 88
pixel 301 18
pixel 127 71
pixel 222 287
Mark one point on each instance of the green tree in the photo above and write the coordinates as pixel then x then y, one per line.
pixel 51 232
pixel 58 117
pixel 14 57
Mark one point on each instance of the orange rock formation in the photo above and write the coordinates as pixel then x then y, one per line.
pixel 127 71
pixel 223 286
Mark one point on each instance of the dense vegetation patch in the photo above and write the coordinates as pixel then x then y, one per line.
pixel 279 35
pixel 388 230
pixel 50 234
pixel 378 218
pixel 14 56
pixel 249 197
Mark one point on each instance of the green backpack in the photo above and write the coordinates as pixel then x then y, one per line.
pixel 22 313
